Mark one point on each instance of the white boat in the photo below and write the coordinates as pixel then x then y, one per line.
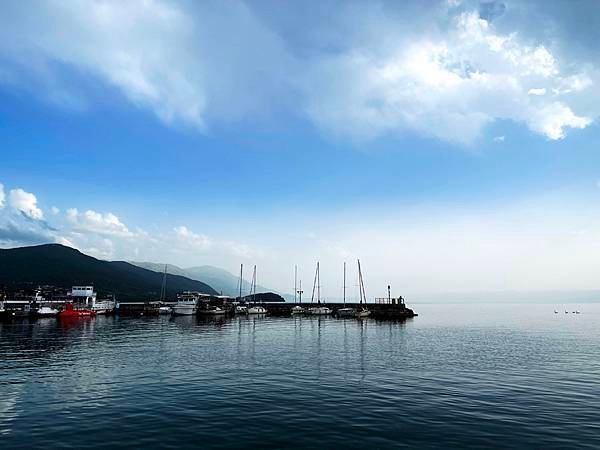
pixel 164 309
pixel 345 312
pixel 297 310
pixel 85 295
pixel 361 313
pixel 256 309
pixel 46 311
pixel 185 306
pixel 319 310
pixel 212 310
pixel 104 306
pixel 241 309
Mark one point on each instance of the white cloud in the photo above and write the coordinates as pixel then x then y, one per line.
pixel 94 222
pixel 182 61
pixel 2 196
pixel 187 239
pixel 55 210
pixel 499 138
pixel 537 91
pixel 445 72
pixel 26 203
pixel 449 85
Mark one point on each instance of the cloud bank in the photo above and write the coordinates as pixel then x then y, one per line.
pixel 445 69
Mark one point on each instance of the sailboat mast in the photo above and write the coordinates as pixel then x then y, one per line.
pixel 295 282
pixel 254 285
pixel 163 288
pixel 318 285
pixel 241 278
pixel 361 285
pixel 300 292
pixel 344 283
pixel 312 297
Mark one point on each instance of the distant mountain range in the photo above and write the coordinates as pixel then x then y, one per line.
pixel 57 265
pixel 222 281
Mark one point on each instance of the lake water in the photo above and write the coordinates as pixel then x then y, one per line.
pixel 478 376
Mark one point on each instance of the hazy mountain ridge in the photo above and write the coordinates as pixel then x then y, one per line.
pixel 219 279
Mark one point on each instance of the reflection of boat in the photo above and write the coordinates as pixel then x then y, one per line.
pixel 362 311
pixel 71 312
pixel 319 310
pixel 46 311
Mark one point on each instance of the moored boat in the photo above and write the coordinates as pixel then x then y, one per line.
pixel 185 308
pixel 71 312
pixel 345 311
pixel 256 309
pixel 164 310
pixel 46 311
pixel 211 310
pixel 297 310
pixel 319 310
pixel 362 310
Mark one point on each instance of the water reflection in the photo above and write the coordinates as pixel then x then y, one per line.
pixel 174 381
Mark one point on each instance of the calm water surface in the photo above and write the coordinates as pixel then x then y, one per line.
pixel 480 376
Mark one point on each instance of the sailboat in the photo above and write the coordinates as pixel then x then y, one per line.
pixel 254 308
pixel 319 310
pixel 297 309
pixel 162 309
pixel 241 309
pixel 345 312
pixel 362 309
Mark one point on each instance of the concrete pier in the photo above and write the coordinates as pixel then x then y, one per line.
pixel 378 310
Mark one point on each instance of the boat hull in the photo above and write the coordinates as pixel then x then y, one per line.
pixel 184 310
pixel 319 311
pixel 211 312
pixel 345 312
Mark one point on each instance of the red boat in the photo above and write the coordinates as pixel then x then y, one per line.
pixel 72 312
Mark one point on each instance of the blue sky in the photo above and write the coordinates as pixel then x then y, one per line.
pixel 449 144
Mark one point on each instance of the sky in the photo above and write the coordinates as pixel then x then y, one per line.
pixel 450 145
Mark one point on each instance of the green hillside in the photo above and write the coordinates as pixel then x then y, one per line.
pixel 57 265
